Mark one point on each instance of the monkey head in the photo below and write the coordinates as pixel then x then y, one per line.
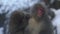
pixel 38 11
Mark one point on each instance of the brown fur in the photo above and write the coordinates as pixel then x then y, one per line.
pixel 18 22
pixel 39 25
pixel 35 25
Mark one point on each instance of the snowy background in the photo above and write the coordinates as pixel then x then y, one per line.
pixel 20 4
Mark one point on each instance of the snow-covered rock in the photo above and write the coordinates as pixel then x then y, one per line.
pixel 56 20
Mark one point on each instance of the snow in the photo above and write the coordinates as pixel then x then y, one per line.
pixel 56 21
pixel 1 30
pixel 15 4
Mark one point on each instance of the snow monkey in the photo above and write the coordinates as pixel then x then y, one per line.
pixel 39 22
pixel 18 22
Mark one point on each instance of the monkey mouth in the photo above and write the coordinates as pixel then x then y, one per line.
pixel 40 11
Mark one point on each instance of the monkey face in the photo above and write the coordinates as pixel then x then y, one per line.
pixel 38 10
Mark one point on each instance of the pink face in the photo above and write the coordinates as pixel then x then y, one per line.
pixel 40 11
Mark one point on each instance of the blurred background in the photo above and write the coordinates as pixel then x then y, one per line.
pixel 8 6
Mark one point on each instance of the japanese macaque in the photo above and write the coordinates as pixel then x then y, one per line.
pixel 18 22
pixel 39 22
